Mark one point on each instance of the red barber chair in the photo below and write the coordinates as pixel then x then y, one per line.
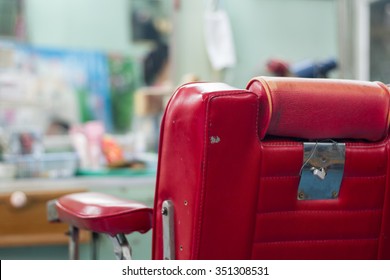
pixel 289 168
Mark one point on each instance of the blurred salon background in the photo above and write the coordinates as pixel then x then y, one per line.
pixel 83 86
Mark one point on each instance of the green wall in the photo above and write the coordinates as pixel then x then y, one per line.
pixel 288 29
pixel 293 30
pixel 81 24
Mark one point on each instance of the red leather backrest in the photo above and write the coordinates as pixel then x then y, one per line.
pixel 235 194
pixel 208 166
pixel 322 108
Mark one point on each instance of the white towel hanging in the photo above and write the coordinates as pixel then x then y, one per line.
pixel 219 39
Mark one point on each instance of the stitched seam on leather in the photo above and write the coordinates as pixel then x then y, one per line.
pixel 202 194
pixel 365 177
pixel 383 86
pixel 383 222
pixel 345 177
pixel 267 90
pixel 287 143
pixel 260 147
pixel 348 144
pixel 258 200
pixel 319 212
pixel 257 119
pixel 279 177
pixel 374 145
pixel 281 91
pixel 306 241
pixel 196 241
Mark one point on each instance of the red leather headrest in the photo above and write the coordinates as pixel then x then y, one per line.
pixel 322 108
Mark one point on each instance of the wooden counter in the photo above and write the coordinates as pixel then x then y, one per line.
pixel 27 225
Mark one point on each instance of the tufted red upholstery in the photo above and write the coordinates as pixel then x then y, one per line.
pixel 349 227
pixel 234 188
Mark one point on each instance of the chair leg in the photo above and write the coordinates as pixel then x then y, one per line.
pixel 73 243
pixel 94 246
pixel 122 247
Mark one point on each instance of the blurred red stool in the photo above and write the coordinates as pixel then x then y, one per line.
pixel 101 213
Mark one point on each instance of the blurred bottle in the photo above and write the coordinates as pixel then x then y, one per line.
pixel 313 69
pixel 303 69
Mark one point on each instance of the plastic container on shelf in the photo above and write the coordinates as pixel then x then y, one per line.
pixel 46 165
pixel 7 171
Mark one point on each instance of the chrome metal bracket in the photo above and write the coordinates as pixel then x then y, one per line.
pixel 122 247
pixel 51 211
pixel 322 171
pixel 94 245
pixel 73 243
pixel 167 213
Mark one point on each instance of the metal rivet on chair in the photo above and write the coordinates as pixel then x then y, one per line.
pixel 185 202
pixel 164 211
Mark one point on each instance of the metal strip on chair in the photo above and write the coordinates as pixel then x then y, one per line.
pixel 168 230
pixel 322 171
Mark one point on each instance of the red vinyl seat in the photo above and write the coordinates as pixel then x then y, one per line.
pixel 102 213
pixel 288 168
